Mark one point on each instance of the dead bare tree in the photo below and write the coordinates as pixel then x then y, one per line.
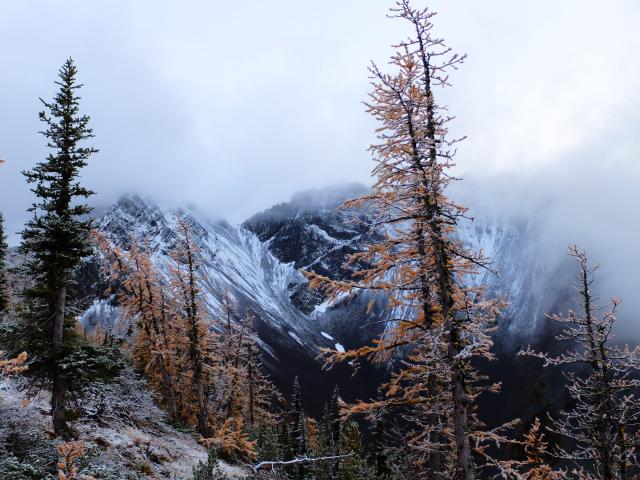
pixel 602 427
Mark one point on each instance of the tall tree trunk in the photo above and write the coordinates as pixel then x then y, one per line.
pixel 426 217
pixel 460 412
pixel 605 440
pixel 59 388
pixel 598 361
pixel 203 413
pixel 196 357
pixel 58 410
pixel 168 387
pixel 196 363
pixel 251 389
pixel 58 319
pixel 464 459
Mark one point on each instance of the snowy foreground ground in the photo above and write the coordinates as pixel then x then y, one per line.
pixel 126 435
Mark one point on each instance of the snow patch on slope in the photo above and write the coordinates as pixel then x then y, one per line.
pixel 232 260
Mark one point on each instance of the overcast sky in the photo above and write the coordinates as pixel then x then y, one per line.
pixel 234 106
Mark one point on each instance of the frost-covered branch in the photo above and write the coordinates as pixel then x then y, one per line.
pixel 272 464
pixel 603 425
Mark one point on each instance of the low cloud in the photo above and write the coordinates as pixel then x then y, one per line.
pixel 234 107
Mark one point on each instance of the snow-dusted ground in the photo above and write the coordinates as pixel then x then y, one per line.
pixel 128 439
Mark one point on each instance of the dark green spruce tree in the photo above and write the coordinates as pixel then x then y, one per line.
pixel 299 434
pixel 353 467
pixel 5 292
pixel 380 459
pixel 270 443
pixel 333 425
pixel 330 427
pixel 55 240
pixel 209 470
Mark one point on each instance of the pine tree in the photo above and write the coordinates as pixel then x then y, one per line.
pixel 380 456
pixel 421 270
pixel 209 470
pixel 285 441
pixel 329 439
pixel 298 429
pixel 321 446
pixel 353 467
pixel 603 425
pixel 269 443
pixel 5 291
pixel 55 240
pixel 334 421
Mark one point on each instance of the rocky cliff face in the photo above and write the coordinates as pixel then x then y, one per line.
pixel 311 232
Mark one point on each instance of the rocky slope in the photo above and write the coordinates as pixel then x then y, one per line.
pixel 312 233
pixel 126 436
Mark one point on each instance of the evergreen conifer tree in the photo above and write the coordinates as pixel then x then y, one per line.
pixel 209 470
pixel 268 442
pixel 298 429
pixel 380 457
pixel 284 442
pixel 56 239
pixel 329 439
pixel 324 447
pixel 333 430
pixel 333 425
pixel 353 467
pixel 5 294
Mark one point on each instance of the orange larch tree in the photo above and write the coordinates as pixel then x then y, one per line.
pixel 250 393
pixel 199 356
pixel 146 302
pixel 440 319
pixel 212 381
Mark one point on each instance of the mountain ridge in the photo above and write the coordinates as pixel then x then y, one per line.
pixel 258 262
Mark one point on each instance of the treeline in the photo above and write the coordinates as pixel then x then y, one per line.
pixel 299 447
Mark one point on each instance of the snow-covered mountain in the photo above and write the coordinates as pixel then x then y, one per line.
pixel 314 234
pixel 233 260
pixel 258 262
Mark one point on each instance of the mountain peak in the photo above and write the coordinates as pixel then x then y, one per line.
pixel 328 197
